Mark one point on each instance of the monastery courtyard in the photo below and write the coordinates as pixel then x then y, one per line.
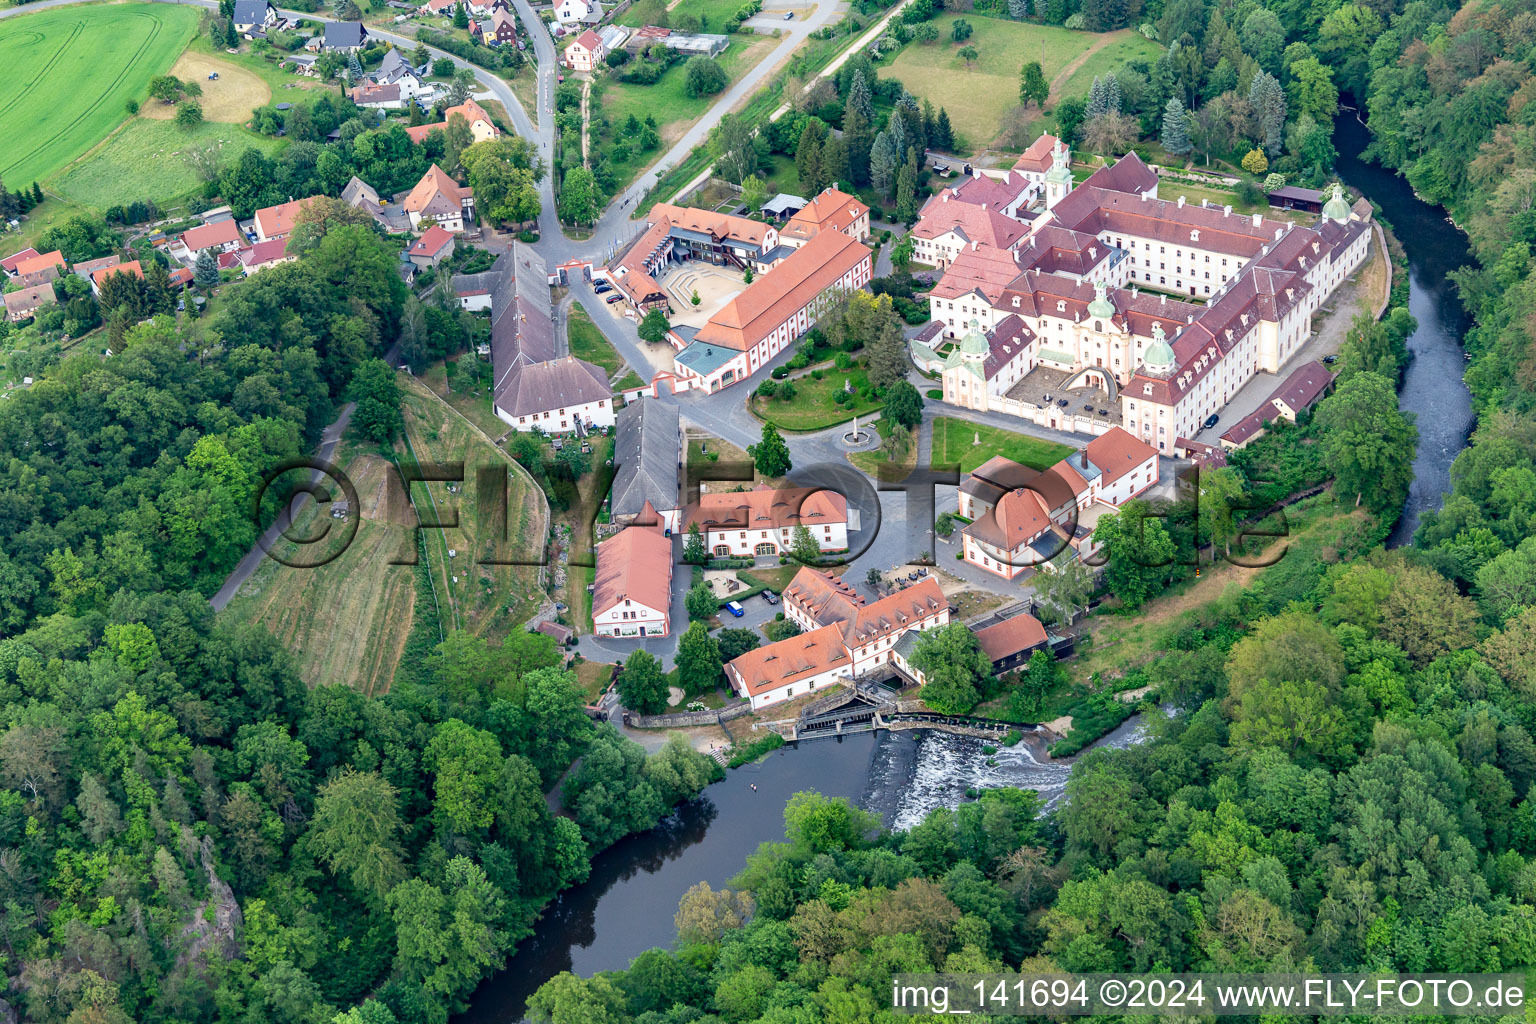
pixel 715 286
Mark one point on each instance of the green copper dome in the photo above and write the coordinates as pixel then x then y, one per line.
pixel 1336 208
pixel 1101 306
pixel 1159 357
pixel 1060 171
pixel 975 343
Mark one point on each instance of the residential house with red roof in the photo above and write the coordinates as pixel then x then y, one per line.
pixel 275 222
pixel 8 264
pixel 831 210
pixel 438 199
pixel 632 587
pixel 586 52
pixel 220 236
pixel 35 264
pixel 434 246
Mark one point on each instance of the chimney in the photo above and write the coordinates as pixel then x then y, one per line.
pixel 1279 232
pixel 1257 220
pixel 1181 202
pixel 1226 211
pixel 1143 197
pixel 1162 300
pixel 1082 457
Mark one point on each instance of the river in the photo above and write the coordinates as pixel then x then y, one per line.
pixel 626 907
pixel 1432 386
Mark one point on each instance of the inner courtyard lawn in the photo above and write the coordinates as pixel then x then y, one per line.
pixel 954 440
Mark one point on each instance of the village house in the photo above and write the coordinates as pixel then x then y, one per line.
pixel 632 587
pixel 99 277
pixel 844 639
pixel 761 522
pixel 8 264
pixel 434 246
pixel 586 52
pixel 219 236
pixel 19 305
pixel 374 96
pixel 276 222
pixel 254 16
pixel 438 199
pixel 831 210
pixel 35 263
pixel 585 12
pixel 258 257
pixel 481 127
pixel 86 268
pixel 474 291
pixel 340 37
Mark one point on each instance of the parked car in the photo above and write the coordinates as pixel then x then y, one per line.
pixel 1062 402
pixel 1330 360
pixel 601 287
pixel 735 608
pixel 615 297
pixel 789 15
pixel 770 597
pixel 1211 420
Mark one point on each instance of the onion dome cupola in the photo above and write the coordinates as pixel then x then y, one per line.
pixel 1159 358
pixel 1101 306
pixel 1336 209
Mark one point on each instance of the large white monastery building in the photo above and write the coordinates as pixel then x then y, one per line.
pixel 1163 309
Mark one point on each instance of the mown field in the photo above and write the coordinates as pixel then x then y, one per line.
pixel 147 159
pixel 487 600
pixel 955 440
pixel 978 96
pixel 347 621
pixel 71 71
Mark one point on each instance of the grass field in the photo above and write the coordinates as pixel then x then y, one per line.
pixel 812 407
pixel 486 600
pixel 1127 46
pixel 146 159
pixel 347 621
pixel 978 96
pixel 668 101
pixel 230 98
pixel 954 441
pixel 71 71
pixel 587 342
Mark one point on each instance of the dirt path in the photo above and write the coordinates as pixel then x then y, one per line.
pixel 586 121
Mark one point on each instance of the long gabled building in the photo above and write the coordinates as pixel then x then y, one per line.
pixel 844 637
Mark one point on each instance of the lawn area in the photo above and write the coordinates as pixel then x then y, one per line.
pixel 346 621
pixel 668 101
pixel 977 97
pixel 587 342
pixel 712 14
pixel 286 86
pixel 1128 45
pixel 954 441
pixel 812 408
pixel 879 460
pixel 486 600
pixel 146 159
pixel 72 69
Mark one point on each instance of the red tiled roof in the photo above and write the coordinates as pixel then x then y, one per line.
pixel 432 241
pixel 783 291
pixel 1002 640
pixel 1037 157
pixel 1017 519
pixel 982 268
pixel 32 264
pixel 766 508
pixel 205 236
pixel 832 210
pixel 132 267
pixel 9 263
pixel 634 564
pixel 278 220
pixel 788 661
pixel 944 215
pixel 1117 451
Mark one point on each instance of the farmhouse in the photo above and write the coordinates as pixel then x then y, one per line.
pixel 474 290
pixel 438 199
pixel 47 275
pixel 845 637
pixel 434 246
pixel 19 305
pixel 88 267
pixel 744 524
pixel 9 263
pixel 481 127
pixel 33 264
pixel 632 587
pixel 647 454
pixel 1008 644
pixel 99 277
pixel 377 97
pixel 500 27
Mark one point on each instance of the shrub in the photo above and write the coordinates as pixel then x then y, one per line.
pixel 1012 738
pixel 754 750
pixel 935 393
